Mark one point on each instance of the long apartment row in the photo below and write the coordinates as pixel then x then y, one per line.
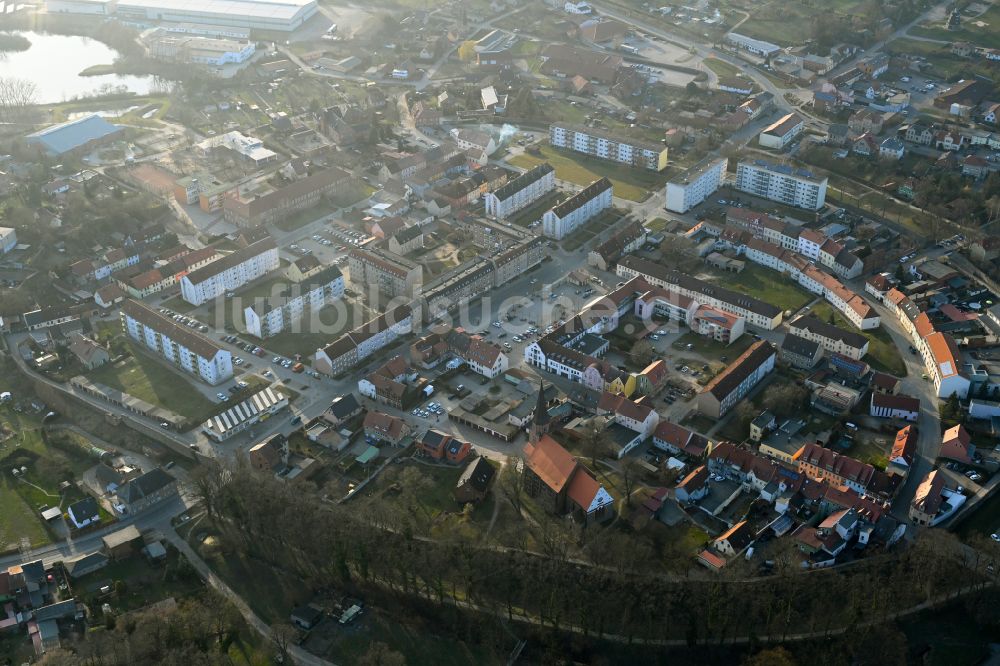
pixel 792 187
pixel 398 277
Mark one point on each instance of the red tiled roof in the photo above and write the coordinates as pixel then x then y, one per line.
pixel 550 462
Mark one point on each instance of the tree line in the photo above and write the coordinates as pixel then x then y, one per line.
pixel 352 550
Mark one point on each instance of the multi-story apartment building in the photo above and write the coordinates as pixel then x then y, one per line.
pixel 792 187
pixel 8 239
pixel 231 272
pixel 518 259
pixel 181 346
pixel 251 210
pixel 817 462
pixel 362 342
pixel 696 184
pixel 832 338
pixel 781 132
pixel 452 290
pixel 714 323
pixel 606 146
pixel 575 211
pixel 391 274
pixel 756 312
pixel 736 381
pixel 140 281
pixel 270 316
pixel 520 192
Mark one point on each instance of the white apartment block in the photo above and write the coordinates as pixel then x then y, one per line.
pixel 231 272
pixel 520 192
pixel 184 348
pixel 274 315
pixel 8 239
pixel 606 146
pixel 792 187
pixel 574 212
pixel 696 184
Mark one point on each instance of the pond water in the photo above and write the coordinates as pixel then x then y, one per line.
pixel 54 63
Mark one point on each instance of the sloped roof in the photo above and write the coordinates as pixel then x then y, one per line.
pixel 552 463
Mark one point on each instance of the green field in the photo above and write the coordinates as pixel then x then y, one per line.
pixel 944 65
pixel 336 321
pixel 986 35
pixel 710 349
pixel 631 184
pixel 767 285
pixel 307 216
pixel 151 380
pixel 721 67
pixel 882 353
pixel 48 466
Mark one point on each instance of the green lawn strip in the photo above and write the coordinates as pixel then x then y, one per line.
pixel 882 352
pixel 767 285
pixel 631 184
pixel 710 349
pixel 150 379
pixel 335 322
pixel 19 519
pixel 721 67
pixel 304 217
pixel 535 211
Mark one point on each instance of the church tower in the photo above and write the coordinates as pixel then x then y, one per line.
pixel 541 421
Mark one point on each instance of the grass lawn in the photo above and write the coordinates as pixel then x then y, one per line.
pixel 335 322
pixel 151 380
pixel 867 451
pixel 631 184
pixel 721 67
pixel 47 466
pixel 987 34
pixel 304 217
pixel 943 63
pixel 699 423
pixel 658 224
pixel 882 352
pixel 534 212
pixel 767 285
pixel 710 349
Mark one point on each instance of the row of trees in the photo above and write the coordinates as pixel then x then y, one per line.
pixel 361 553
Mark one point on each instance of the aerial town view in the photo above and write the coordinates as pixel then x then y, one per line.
pixel 500 332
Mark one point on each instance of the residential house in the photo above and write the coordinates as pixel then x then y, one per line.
pixel 474 482
pixel 144 491
pixel 902 407
pixel 956 444
pixel 385 428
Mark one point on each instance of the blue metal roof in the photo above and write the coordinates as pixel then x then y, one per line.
pixel 64 137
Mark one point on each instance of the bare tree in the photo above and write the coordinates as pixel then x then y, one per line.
pixel 512 484
pixel 16 95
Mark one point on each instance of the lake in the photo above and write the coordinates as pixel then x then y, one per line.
pixel 54 63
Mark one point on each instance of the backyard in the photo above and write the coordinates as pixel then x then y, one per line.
pixel 335 322
pixel 149 379
pixel 767 285
pixel 631 184
pixel 883 355
pixel 47 466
